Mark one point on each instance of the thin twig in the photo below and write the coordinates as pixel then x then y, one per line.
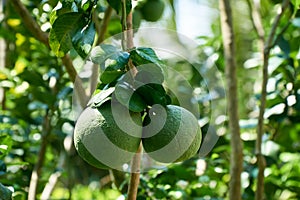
pixel 259 195
pixel 236 158
pixel 271 36
pixel 130 44
pixel 281 33
pixel 257 23
pixel 101 30
pixel 104 24
pixel 50 185
pixel 124 25
pixel 135 175
pixel 48 189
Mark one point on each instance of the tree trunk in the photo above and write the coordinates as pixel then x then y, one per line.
pixel 265 48
pixel 236 158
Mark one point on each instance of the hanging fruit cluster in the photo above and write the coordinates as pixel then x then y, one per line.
pixel 132 108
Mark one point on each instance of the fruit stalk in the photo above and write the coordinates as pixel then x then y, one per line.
pixel 127 42
pixel 135 175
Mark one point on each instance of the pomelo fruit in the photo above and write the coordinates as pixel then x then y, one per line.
pixel 152 10
pixel 171 134
pixel 101 141
pixel 136 18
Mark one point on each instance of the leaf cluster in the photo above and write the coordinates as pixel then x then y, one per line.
pixel 136 92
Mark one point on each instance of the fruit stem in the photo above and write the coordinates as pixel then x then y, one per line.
pixel 127 36
pixel 124 25
pixel 127 45
pixel 135 175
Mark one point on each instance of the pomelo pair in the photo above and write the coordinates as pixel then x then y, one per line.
pixel 109 136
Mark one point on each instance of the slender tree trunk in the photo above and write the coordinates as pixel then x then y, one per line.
pixel 236 159
pixel 265 48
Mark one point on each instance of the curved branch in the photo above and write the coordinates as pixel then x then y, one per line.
pixel 43 37
pixel 260 128
pixel 104 25
pixel 30 23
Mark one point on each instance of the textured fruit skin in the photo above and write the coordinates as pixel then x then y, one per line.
pixel 178 140
pixel 99 140
pixel 152 10
pixel 136 18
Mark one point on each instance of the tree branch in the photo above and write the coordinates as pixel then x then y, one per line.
pixel 30 23
pixel 259 195
pixel 104 25
pixel 53 178
pixel 236 158
pixel 281 33
pixel 127 44
pixel 101 30
pixel 43 37
pixel 135 175
pixel 257 23
pixel 41 157
pixel 272 33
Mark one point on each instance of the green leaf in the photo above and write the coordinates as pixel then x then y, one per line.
pixel 2 166
pixel 44 96
pixel 109 76
pixel 88 5
pixel 62 8
pixel 117 5
pixel 118 61
pixel 143 55
pixel 284 46
pixel 5 193
pixel 102 52
pixel 67 30
pixel 126 95
pixel 5 145
pixel 100 98
pixel 83 39
pixel 150 73
pixel 153 94
pixel 296 3
pixel 112 62
pixel 33 78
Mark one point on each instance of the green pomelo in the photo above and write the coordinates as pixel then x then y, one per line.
pixel 136 18
pixel 152 10
pixel 104 143
pixel 172 135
